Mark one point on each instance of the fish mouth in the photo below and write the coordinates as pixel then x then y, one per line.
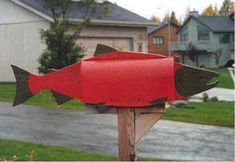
pixel 190 80
pixel 213 83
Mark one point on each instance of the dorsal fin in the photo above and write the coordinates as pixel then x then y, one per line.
pixel 100 49
pixel 158 101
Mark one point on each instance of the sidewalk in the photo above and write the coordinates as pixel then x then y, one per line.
pixel 167 140
pixel 223 94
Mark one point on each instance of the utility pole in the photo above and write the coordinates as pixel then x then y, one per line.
pixel 169 34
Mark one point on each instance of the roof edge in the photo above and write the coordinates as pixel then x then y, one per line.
pixel 185 22
pixel 195 18
pixel 33 10
pixel 128 10
pixel 113 23
pixel 163 25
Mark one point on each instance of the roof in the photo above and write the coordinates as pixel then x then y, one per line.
pixel 152 28
pixel 117 15
pixel 214 23
pixel 155 28
pixel 218 23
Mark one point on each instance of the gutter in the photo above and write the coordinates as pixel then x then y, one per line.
pixel 33 10
pixel 114 23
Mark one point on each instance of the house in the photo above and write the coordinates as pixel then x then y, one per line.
pixel 205 41
pixel 158 37
pixel 22 20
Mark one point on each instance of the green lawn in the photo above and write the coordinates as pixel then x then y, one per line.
pixel 225 80
pixel 22 151
pixel 209 113
pixel 36 152
pixel 42 99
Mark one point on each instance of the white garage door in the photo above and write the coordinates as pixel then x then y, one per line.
pixel 118 43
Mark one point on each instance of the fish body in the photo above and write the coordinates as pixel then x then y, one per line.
pixel 117 78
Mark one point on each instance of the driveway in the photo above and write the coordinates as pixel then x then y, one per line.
pixel 167 140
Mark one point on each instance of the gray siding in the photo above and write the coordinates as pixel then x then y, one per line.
pixel 20 41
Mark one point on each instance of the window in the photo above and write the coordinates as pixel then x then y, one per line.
pixel 224 38
pixel 158 40
pixel 203 33
pixel 184 35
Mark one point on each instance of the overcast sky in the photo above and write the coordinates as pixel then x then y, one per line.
pixel 147 8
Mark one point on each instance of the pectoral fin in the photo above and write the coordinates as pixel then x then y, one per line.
pixel 99 108
pixel 60 98
pixel 158 101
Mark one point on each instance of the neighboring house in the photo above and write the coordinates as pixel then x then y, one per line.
pixel 158 37
pixel 22 20
pixel 205 41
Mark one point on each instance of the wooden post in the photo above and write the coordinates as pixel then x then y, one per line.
pixel 126 134
pixel 133 124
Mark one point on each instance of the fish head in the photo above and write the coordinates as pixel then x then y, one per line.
pixel 190 80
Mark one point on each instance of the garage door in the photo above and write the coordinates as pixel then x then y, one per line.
pixel 90 44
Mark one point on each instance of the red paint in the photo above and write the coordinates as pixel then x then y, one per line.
pixel 114 79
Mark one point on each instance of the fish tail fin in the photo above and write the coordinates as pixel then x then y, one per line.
pixel 23 92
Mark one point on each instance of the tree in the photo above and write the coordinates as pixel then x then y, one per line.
pixel 62 49
pixel 187 13
pixel 166 18
pixel 174 19
pixel 192 52
pixel 180 21
pixel 216 10
pixel 210 11
pixel 155 19
pixel 217 56
pixel 227 8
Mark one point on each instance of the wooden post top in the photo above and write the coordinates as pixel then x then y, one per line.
pixel 133 124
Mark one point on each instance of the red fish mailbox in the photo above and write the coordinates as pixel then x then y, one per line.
pixel 115 78
pixel 130 81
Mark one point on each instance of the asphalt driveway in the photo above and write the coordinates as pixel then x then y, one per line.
pixel 167 140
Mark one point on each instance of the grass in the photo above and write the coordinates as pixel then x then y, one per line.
pixel 12 150
pixel 42 99
pixel 209 113
pixel 225 80
pixel 24 151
